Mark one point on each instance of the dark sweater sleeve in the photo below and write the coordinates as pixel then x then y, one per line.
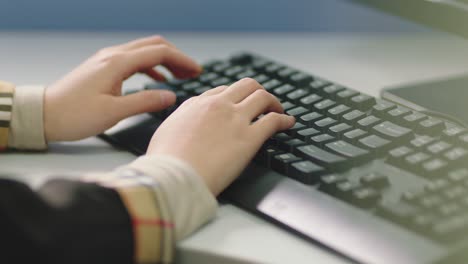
pixel 63 222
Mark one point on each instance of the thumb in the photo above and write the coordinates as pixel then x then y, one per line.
pixel 144 101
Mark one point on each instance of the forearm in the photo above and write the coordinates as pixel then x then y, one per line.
pixel 157 200
pixel 133 214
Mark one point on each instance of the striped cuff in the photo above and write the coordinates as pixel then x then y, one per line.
pixel 153 229
pixel 27 119
pixel 7 91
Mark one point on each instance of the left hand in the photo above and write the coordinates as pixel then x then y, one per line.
pixel 88 100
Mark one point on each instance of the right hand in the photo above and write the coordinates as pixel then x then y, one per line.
pixel 215 132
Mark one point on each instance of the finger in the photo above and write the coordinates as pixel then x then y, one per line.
pixel 214 91
pixel 268 125
pixel 179 64
pixel 142 42
pixel 143 102
pixel 155 75
pixel 260 102
pixel 239 90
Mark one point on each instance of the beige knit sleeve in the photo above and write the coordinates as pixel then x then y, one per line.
pixel 27 119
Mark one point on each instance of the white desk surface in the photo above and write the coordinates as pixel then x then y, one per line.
pixel 367 62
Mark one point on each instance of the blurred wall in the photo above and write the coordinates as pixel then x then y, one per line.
pixel 190 15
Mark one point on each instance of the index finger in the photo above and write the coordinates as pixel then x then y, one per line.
pixel 181 65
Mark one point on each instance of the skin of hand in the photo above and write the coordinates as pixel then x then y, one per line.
pixel 217 132
pixel 88 100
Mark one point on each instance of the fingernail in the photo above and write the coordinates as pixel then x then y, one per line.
pixel 167 97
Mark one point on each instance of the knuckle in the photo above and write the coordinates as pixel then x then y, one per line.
pixel 263 93
pixel 250 82
pixel 164 48
pixel 158 39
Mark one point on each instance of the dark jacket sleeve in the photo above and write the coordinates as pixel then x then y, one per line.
pixel 63 222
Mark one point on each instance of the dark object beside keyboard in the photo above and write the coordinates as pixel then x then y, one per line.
pixel 372 180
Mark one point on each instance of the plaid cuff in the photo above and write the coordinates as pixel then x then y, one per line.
pixel 7 91
pixel 153 229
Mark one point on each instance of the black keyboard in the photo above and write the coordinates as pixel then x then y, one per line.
pixel 374 181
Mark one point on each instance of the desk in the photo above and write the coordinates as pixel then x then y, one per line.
pixel 367 62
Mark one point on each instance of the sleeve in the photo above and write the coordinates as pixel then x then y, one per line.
pixel 134 214
pixel 21 117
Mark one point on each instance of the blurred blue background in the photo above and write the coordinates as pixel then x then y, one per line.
pixel 196 15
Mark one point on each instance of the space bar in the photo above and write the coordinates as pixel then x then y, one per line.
pixel 321 156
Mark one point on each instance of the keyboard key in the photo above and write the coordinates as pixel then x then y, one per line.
pixel 346 149
pixel 279 138
pixel 374 142
pixel 297 111
pixel 353 115
pixel 306 172
pixel 381 108
pixel 362 101
pixel 339 110
pixel 300 79
pixel 219 68
pixel 201 90
pixel 291 144
pixel 310 99
pixel 416 158
pixel 190 86
pixel 283 89
pixel 458 175
pixel 365 197
pixel 332 90
pixel 310 117
pixel 273 68
pixel 317 83
pixel 392 131
pixel 438 147
pixel 339 129
pixel 398 112
pixel 230 72
pixel 297 94
pixel 322 139
pixel 354 135
pixel 452 132
pixel 421 141
pixel 207 77
pixel 321 156
pixel 324 105
pixel 324 123
pixel 434 167
pixel 265 154
pixel 286 73
pixel 400 152
pixel 431 126
pixel 287 105
pixel 220 81
pixel 260 64
pixel 262 78
pixel 414 118
pixel 269 85
pixel 375 180
pixel 457 154
pixel 368 121
pixel 281 162
pixel 297 126
pixel 249 73
pixel 305 134
pixel 345 95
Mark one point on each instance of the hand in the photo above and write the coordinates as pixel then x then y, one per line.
pixel 215 132
pixel 88 100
